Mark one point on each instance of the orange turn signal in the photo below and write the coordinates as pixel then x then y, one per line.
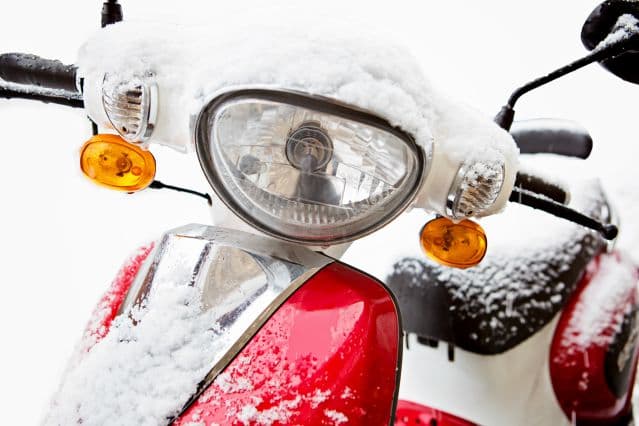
pixel 459 245
pixel 110 161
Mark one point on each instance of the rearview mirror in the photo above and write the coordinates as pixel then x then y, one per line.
pixel 601 23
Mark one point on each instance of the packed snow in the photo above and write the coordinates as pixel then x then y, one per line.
pixel 598 318
pixel 626 26
pixel 146 367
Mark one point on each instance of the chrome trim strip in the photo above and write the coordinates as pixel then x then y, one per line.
pixel 246 337
pixel 455 191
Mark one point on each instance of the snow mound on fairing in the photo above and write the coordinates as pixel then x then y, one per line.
pixel 191 65
pixel 145 368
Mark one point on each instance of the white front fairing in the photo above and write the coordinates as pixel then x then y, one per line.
pixel 193 65
pixel 512 388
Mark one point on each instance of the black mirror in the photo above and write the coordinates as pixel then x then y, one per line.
pixel 600 24
pixel 552 136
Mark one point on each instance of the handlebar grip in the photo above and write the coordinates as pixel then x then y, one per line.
pixel 22 68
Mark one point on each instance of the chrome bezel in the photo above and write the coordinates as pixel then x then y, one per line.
pixel 455 191
pixel 202 138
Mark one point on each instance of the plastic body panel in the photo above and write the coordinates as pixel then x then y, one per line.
pixel 329 356
pixel 412 414
pixel 110 303
pixel 512 388
pixel 594 350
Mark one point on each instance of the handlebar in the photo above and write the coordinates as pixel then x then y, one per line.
pixel 52 81
pixel 32 70
pixel 39 79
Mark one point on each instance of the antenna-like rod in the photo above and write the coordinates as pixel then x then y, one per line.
pixel 506 115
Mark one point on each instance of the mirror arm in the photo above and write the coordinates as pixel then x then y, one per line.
pixel 506 115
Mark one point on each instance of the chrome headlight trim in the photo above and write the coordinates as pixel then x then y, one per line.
pixel 202 137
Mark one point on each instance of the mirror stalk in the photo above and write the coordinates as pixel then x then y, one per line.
pixel 506 115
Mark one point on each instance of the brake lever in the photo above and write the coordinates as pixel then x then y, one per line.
pixel 536 185
pixel 531 199
pixel 70 101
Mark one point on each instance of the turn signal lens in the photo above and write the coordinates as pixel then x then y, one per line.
pixel 459 245
pixel 110 161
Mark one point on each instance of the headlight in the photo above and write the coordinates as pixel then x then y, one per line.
pixel 304 168
pixel 475 189
pixel 131 106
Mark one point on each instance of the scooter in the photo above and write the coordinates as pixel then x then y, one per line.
pixel 213 325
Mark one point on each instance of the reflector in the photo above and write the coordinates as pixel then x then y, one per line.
pixel 110 161
pixel 458 245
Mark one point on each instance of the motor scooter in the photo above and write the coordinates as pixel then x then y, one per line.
pixel 216 326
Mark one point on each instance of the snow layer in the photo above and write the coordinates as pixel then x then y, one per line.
pixel 192 65
pixel 145 368
pixel 598 318
pixel 626 26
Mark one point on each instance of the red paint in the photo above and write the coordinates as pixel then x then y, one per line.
pixel 328 356
pixel 578 373
pixel 412 414
pixel 110 303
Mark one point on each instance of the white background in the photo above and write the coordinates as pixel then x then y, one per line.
pixel 62 239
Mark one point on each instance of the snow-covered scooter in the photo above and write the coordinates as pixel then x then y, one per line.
pixel 257 322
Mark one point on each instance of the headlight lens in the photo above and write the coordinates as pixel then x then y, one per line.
pixel 303 168
pixel 476 188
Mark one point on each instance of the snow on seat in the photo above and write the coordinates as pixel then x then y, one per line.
pixel 534 262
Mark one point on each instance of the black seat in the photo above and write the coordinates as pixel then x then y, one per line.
pixel 513 293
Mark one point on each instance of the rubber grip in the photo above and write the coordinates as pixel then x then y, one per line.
pixel 32 70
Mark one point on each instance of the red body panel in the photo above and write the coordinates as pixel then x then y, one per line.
pixel 110 303
pixel 412 414
pixel 594 351
pixel 328 356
